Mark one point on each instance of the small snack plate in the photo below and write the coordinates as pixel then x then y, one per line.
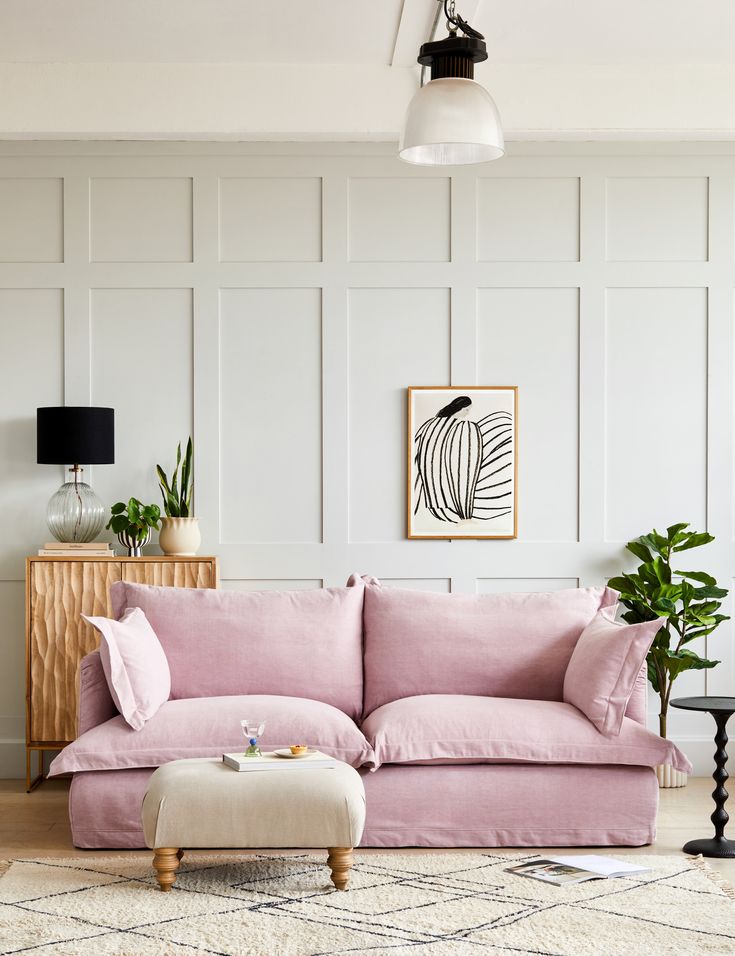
pixel 287 753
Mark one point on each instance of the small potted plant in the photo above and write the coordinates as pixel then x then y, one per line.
pixel 132 523
pixel 180 533
pixel 690 602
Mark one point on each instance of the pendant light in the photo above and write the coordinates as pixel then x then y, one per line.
pixel 452 120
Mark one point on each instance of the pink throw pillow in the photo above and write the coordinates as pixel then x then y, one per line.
pixel 604 667
pixel 134 664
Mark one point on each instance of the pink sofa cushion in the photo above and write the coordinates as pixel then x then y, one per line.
pixel 499 645
pixel 210 726
pixel 135 665
pixel 449 729
pixel 291 643
pixel 604 668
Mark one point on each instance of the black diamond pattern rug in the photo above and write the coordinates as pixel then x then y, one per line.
pixel 427 904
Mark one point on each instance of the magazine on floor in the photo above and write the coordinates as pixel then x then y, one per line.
pixel 565 870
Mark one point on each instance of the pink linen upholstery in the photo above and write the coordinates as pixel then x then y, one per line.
pixel 637 708
pixel 498 645
pixel 604 668
pixel 95 700
pixel 208 726
pixel 510 805
pixel 438 806
pixel 135 666
pixel 290 643
pixel 449 729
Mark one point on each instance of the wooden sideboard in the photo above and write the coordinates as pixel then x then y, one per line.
pixel 58 591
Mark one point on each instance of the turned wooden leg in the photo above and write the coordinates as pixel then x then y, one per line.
pixel 166 863
pixel 340 862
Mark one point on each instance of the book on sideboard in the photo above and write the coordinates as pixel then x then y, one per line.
pixel 86 549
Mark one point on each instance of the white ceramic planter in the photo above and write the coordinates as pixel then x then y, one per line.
pixel 668 777
pixel 180 536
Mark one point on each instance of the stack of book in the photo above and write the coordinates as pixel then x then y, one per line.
pixel 86 549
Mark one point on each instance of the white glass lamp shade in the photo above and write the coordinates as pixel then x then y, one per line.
pixel 451 122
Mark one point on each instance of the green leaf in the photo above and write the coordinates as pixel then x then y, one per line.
pixel 652 541
pixel 694 540
pixel 710 591
pixel 117 508
pixel 697 576
pixel 118 523
pixel 663 607
pixel 674 529
pixel 639 550
pixel 662 570
pixel 652 674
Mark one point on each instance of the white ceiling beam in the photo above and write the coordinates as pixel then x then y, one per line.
pixel 417 17
pixel 264 102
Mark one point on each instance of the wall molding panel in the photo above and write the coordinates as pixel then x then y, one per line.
pixel 276 300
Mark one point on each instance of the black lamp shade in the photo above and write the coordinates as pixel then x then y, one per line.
pixel 75 435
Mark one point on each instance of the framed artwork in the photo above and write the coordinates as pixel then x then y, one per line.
pixel 462 462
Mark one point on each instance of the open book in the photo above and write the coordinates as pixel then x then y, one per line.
pixel 564 870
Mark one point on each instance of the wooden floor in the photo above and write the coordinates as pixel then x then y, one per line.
pixel 37 824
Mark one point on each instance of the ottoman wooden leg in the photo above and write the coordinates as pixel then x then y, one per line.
pixel 166 863
pixel 340 862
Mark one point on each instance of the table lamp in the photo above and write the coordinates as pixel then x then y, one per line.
pixel 78 435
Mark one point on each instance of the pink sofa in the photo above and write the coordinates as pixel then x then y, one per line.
pixel 451 706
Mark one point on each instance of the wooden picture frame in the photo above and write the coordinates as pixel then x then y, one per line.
pixel 462 462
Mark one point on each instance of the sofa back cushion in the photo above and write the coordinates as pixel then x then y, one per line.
pixel 292 643
pixel 494 645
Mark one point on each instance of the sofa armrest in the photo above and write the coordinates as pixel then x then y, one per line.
pixel 637 708
pixel 95 701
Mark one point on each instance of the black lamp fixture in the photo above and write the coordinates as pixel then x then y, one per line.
pixel 77 435
pixel 452 120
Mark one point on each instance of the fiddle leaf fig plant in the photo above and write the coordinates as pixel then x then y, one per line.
pixel 689 601
pixel 134 518
pixel 177 499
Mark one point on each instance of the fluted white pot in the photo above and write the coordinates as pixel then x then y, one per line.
pixel 668 777
pixel 180 536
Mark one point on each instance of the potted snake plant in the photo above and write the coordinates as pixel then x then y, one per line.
pixel 180 533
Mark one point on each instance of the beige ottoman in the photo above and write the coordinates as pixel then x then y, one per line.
pixel 202 803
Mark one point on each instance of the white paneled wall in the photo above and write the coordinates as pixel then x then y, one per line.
pixel 277 300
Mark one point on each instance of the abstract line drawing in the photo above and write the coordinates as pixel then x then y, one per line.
pixel 462 464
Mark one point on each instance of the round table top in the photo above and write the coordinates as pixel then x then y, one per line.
pixel 720 704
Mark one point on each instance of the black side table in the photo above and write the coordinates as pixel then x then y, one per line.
pixel 721 709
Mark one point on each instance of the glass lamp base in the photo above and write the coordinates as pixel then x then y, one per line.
pixel 75 513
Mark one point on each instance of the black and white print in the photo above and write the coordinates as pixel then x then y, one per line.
pixel 462 462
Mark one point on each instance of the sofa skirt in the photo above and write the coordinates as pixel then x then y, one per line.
pixel 467 805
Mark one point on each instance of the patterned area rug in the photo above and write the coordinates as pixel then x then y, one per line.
pixel 398 903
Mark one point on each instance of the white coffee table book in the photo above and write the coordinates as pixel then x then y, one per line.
pixel 279 760
pixel 200 803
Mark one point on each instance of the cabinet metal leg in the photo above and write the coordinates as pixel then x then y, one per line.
pixel 32 783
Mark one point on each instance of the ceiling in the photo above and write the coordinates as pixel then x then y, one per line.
pixel 360 31
pixel 346 69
